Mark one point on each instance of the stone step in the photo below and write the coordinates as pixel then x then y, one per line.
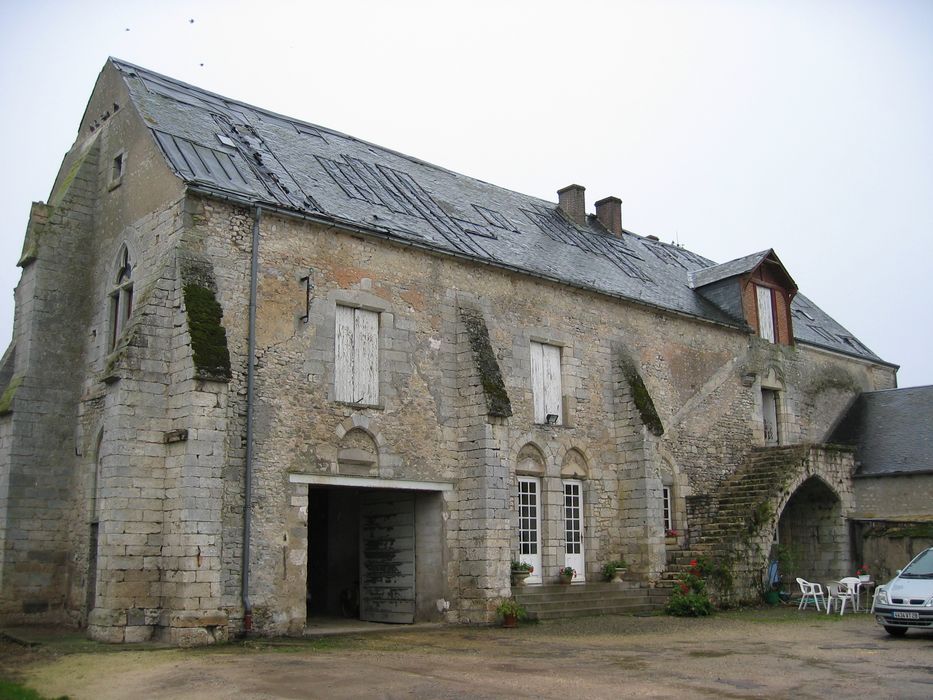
pixel 592 611
pixel 551 601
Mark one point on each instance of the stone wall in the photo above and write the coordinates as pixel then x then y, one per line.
pixel 432 421
pixel 887 497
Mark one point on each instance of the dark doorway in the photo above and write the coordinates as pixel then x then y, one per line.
pixel 813 528
pixel 333 552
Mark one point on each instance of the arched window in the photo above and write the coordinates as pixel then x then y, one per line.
pixel 121 296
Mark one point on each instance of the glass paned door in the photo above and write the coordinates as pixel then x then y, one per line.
pixel 573 528
pixel 529 525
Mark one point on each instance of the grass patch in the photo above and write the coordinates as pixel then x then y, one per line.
pixel 15 691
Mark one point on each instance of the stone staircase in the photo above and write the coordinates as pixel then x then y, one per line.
pixel 554 601
pixel 722 524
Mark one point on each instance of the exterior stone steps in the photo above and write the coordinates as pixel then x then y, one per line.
pixel 554 601
pixel 724 516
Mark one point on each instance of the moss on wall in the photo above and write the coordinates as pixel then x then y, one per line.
pixel 497 398
pixel 208 336
pixel 641 397
pixel 6 398
pixel 917 530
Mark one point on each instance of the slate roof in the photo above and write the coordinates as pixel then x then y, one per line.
pixel 891 430
pixel 733 268
pixel 232 149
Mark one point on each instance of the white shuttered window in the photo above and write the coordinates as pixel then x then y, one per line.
pixel 545 382
pixel 765 313
pixel 356 356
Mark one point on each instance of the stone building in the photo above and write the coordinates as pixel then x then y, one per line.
pixel 262 371
pixel 892 433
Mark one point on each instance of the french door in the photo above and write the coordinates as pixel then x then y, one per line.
pixel 573 527
pixel 529 525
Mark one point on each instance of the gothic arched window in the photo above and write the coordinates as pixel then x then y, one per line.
pixel 121 296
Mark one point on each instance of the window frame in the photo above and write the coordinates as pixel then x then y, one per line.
pixel 667 508
pixel 766 331
pixel 121 297
pixel 352 359
pixel 546 362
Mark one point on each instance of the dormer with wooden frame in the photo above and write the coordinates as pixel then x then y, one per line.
pixel 756 289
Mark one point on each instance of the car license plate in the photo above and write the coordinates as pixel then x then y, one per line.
pixel 907 615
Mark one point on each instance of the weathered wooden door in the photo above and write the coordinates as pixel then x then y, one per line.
pixel 387 557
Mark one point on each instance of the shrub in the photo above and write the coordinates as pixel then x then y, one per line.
pixel 689 597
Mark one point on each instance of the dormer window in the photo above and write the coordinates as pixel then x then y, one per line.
pixel 766 315
pixel 756 289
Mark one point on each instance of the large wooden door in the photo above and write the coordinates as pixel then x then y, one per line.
pixel 387 557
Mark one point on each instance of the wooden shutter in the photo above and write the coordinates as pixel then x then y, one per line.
pixel 537 381
pixel 366 357
pixel 765 313
pixel 356 356
pixel 552 388
pixel 343 355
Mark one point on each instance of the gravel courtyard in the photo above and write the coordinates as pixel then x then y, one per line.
pixel 775 653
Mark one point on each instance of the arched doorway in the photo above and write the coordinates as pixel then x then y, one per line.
pixel 813 529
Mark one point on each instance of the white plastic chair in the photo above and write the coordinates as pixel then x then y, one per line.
pixel 810 593
pixel 852 583
pixel 839 592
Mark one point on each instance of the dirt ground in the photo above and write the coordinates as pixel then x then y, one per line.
pixel 775 653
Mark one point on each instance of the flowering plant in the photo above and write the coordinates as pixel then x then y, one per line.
pixel 862 570
pixel 567 571
pixel 671 533
pixel 522 566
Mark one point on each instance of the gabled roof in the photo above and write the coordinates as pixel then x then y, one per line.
pixel 892 431
pixel 231 149
pixel 741 266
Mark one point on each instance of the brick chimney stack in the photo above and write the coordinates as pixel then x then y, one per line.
pixel 609 213
pixel 573 203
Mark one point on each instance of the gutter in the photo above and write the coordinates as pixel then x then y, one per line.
pixel 233 197
pixel 386 234
pixel 250 384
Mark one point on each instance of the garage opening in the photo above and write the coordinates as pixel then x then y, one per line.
pixel 813 528
pixel 374 554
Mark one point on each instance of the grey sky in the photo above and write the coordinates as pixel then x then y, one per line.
pixel 730 127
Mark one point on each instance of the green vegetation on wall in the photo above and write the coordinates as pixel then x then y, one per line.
pixel 208 336
pixel 641 397
pixel 497 398
pixel 6 398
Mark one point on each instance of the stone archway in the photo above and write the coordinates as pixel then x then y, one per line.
pixel 812 527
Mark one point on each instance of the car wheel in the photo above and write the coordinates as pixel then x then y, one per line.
pixel 895 631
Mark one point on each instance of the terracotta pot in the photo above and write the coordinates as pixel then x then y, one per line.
pixel 510 621
pixel 565 579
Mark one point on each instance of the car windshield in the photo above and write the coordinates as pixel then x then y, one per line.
pixel 921 567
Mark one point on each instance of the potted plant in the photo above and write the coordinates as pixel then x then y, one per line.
pixel 614 569
pixel 863 573
pixel 520 571
pixel 511 611
pixel 565 574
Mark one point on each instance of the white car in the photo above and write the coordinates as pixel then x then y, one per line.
pixel 906 601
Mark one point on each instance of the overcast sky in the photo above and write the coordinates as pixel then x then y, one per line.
pixel 729 127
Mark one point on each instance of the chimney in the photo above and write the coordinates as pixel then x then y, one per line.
pixel 573 203
pixel 609 213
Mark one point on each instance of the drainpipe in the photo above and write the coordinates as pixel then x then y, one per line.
pixel 250 382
